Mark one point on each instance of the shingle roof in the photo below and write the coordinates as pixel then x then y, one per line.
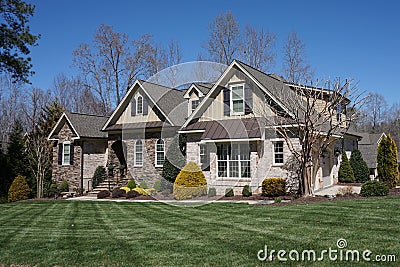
pixel 227 129
pixel 169 100
pixel 88 125
pixel 138 125
pixel 368 147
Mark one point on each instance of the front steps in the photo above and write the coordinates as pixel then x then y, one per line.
pixel 108 184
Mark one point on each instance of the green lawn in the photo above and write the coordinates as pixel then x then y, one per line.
pixel 73 233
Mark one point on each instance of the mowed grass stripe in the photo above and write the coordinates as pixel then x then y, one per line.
pixel 73 233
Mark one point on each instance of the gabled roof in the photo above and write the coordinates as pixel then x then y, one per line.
pixel 82 125
pixel 168 101
pixel 368 147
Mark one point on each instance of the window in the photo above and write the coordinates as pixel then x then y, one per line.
pixel 139 153
pixel 203 154
pixel 140 105
pixel 160 153
pixel 233 160
pixel 278 152
pixel 237 99
pixel 339 113
pixel 66 153
pixel 193 104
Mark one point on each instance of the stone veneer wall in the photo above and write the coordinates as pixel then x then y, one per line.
pixel 70 173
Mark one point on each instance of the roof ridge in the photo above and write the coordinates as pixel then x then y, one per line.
pixel 170 88
pixel 87 114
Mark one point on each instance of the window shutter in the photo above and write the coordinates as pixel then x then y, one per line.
pixel 60 151
pixel 227 100
pixel 133 106
pixel 248 99
pixel 71 154
pixel 145 106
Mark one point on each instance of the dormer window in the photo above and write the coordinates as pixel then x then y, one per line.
pixel 139 105
pixel 237 99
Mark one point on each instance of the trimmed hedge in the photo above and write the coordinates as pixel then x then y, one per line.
pixel 229 192
pixel 374 189
pixel 246 192
pixel 103 194
pixel 99 176
pixel 19 189
pixel 359 166
pixel 212 192
pixel 190 182
pixel 131 184
pixel 118 192
pixel 346 174
pixel 273 187
pixel 64 186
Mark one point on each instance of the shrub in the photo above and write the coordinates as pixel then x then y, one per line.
pixel 118 192
pixel 150 191
pixel 190 182
pixel 99 176
pixel 166 186
pixel 157 185
pixel 345 191
pixel 277 200
pixel 175 159
pixel 359 166
pixel 387 159
pixel 19 189
pixel 273 187
pixel 103 194
pixel 346 174
pixel 143 184
pixel 132 194
pixel 127 189
pixel 141 191
pixel 53 190
pixel 64 186
pixel 374 188
pixel 131 184
pixel 229 192
pixel 212 192
pixel 246 192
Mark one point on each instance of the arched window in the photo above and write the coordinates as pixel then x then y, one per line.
pixel 160 153
pixel 139 153
pixel 140 105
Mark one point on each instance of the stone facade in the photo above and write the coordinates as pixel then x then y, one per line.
pixel 88 154
pixel 70 173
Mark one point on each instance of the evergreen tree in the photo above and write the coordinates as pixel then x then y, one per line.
pixel 346 174
pixel 387 160
pixel 175 159
pixel 359 166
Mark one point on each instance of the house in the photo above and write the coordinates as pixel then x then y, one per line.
pixel 223 122
pixel 368 147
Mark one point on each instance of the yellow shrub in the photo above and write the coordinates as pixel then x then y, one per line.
pixel 141 191
pixel 273 187
pixel 190 182
pixel 19 189
pixel 127 189
pixel 150 191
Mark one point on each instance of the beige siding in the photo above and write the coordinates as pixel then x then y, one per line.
pixel 127 118
pixel 216 110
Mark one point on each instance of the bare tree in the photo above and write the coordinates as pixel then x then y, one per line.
pixel 295 67
pixel 224 42
pixel 375 110
pixel 311 122
pixel 258 48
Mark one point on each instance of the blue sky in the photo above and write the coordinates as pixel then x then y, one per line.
pixel 348 39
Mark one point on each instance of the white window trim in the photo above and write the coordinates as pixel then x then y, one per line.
pixel 155 153
pixel 135 162
pixel 273 153
pixel 200 154
pixel 190 110
pixel 231 99
pixel 62 158
pixel 228 177
pixel 137 105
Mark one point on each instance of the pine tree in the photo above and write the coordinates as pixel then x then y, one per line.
pixel 346 174
pixel 359 166
pixel 387 160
